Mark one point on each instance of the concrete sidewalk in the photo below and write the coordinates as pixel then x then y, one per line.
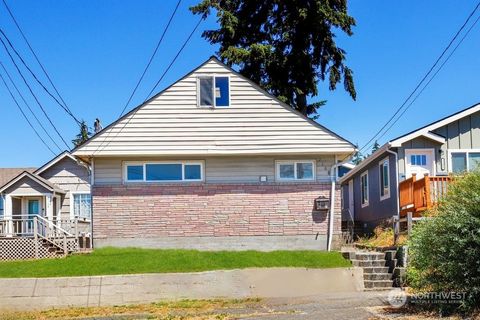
pixel 44 293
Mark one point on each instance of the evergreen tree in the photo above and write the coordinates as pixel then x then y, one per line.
pixel 357 157
pixel 286 47
pixel 375 146
pixel 83 135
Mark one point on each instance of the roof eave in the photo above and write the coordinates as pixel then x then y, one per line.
pixel 365 162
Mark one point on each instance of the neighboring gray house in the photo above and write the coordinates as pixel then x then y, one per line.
pixel 215 162
pixel 44 204
pixel 450 145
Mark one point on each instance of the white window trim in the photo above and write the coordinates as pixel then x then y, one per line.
pixel 367 191
pixel 380 166
pixel 213 88
pixel 294 162
pixel 466 151
pixel 144 164
pixel 72 209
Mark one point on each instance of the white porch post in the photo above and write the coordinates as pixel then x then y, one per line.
pixel 49 207
pixel 8 215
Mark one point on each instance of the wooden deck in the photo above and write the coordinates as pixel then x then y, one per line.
pixel 418 195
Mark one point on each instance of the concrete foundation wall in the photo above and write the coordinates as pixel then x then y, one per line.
pixel 260 243
pixel 213 216
pixel 44 293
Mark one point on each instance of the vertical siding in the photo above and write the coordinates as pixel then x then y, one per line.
pixel 475 129
pixel 419 143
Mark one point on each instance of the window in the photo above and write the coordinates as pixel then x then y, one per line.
pixel 295 170
pixel 163 171
pixel 364 189
pixel 82 205
pixel 384 174
pixel 459 162
pixel 464 161
pixel 135 173
pixel 1 206
pixel 213 91
pixel 418 159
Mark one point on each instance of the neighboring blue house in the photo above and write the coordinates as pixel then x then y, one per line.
pixel 450 145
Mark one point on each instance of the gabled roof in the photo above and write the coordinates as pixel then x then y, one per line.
pixel 365 162
pixel 425 131
pixel 43 182
pixel 65 154
pixel 167 124
pixel 7 174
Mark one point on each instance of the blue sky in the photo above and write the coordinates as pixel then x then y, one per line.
pixel 96 50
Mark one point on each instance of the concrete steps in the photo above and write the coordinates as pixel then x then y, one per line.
pixel 377 268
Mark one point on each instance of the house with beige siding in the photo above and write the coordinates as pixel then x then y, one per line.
pixel 409 174
pixel 215 162
pixel 44 211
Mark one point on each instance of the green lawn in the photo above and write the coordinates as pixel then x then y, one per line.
pixel 133 260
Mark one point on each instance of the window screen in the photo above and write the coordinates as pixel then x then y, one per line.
pixel 206 91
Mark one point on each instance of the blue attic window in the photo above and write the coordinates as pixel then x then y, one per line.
pixel 213 91
pixel 222 92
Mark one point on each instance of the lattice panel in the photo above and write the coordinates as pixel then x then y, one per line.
pixel 23 249
pixel 72 245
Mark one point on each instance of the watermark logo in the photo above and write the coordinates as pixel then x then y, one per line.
pixel 397 298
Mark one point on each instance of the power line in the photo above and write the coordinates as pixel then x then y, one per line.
pixel 24 115
pixel 34 54
pixel 36 78
pixel 28 106
pixel 156 84
pixel 438 70
pixel 174 59
pixel 425 76
pixel 32 93
pixel 151 57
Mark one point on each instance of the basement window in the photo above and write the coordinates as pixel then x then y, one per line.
pixel 213 91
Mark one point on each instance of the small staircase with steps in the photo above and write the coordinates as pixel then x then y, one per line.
pixel 378 267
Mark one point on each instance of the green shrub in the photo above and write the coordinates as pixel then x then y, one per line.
pixel 445 249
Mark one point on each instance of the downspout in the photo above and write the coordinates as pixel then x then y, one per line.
pixel 333 179
pixel 397 195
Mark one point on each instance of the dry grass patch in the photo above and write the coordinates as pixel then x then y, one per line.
pixel 173 310
pixel 382 237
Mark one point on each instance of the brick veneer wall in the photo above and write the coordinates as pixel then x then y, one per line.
pixel 210 210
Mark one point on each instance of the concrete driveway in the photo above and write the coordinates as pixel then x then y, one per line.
pixel 329 306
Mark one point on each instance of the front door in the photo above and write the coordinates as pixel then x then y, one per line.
pixel 419 161
pixel 33 208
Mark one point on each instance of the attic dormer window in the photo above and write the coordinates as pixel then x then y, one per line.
pixel 213 91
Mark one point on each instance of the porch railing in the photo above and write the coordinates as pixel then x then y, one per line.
pixel 56 232
pixel 419 195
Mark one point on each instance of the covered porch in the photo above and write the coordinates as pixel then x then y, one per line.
pixel 32 225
